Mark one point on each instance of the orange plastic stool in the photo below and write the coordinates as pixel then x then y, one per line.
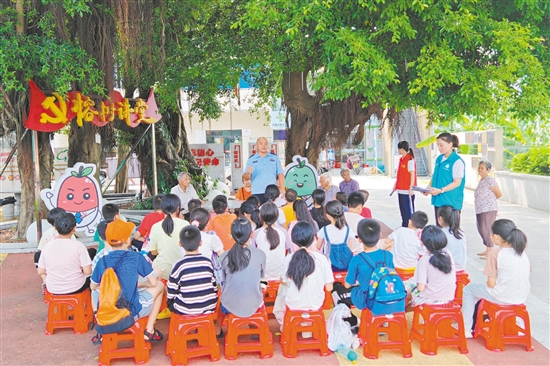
pixel 240 326
pixel 340 277
pixel 501 327
pixel 298 321
pixel 438 325
pixel 329 302
pixel 404 274
pixel 270 294
pixel 47 296
pixel 62 307
pixel 109 349
pixel 180 332
pixel 462 279
pixel 394 325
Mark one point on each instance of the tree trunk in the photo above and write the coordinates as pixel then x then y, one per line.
pixel 315 121
pixel 121 184
pixel 26 172
pixel 83 147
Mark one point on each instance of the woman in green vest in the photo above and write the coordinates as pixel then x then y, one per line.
pixel 448 180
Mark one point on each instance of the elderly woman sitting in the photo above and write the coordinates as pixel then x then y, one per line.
pixel 325 183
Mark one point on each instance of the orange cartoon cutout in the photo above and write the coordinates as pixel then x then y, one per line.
pixel 79 193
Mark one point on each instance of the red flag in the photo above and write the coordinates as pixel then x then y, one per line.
pixel 47 114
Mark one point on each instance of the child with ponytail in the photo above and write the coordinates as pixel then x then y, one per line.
pixel 337 241
pixel 507 272
pixel 164 235
pixel 211 242
pixel 242 268
pixel 448 219
pixel 306 274
pixel 271 239
pixel 435 276
pixel 302 214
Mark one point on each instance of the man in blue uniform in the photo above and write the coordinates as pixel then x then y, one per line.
pixel 265 169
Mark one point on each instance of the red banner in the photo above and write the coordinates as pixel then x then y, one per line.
pixel 50 114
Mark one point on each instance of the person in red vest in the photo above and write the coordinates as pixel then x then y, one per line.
pixel 406 178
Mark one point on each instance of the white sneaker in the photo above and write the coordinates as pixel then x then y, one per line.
pixel 469 335
pixel 307 335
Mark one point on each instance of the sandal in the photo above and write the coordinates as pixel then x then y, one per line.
pixel 156 336
pixel 97 339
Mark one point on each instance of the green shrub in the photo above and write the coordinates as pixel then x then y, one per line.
pixel 535 161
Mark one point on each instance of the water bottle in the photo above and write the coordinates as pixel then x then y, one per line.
pixel 348 353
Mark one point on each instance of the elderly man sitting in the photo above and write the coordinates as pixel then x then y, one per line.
pixel 184 190
pixel 348 185
pixel 325 183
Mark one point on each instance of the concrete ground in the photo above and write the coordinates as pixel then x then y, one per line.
pixel 23 314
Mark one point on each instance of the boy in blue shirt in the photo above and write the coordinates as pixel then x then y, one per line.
pixel 360 271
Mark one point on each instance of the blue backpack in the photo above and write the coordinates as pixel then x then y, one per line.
pixel 339 254
pixel 386 294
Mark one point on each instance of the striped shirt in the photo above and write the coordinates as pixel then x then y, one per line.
pixel 192 286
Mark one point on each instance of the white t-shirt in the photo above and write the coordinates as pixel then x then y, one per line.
pixel 457 248
pixel 353 220
pixel 512 275
pixel 274 264
pixel 458 168
pixel 311 295
pixel 336 236
pixel 210 243
pixel 406 248
pixel 186 196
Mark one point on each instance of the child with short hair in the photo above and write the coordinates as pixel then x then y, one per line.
pixel 192 205
pixel 356 200
pixel 507 270
pixel 306 274
pixel 142 233
pixel 365 212
pixel 110 212
pixel 145 300
pixel 291 196
pixel 221 223
pixel 272 241
pixel 164 243
pixel 448 219
pixel 49 234
pixel 361 266
pixel 318 211
pixel 404 243
pixel 337 241
pixel 342 197
pixel 192 286
pixel 434 280
pixel 65 263
pixel 243 267
pixel 246 190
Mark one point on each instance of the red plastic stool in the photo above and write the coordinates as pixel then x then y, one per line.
pixel 270 294
pixel 501 326
pixel 340 277
pixel 462 279
pixel 62 307
pixel 438 325
pixel 110 350
pixel 294 323
pixel 394 325
pixel 404 274
pixel 180 332
pixel 240 326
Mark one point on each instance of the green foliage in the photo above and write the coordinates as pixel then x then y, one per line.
pixel 41 56
pixel 535 161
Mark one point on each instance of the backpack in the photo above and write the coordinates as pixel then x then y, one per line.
pixel 339 254
pixel 114 313
pixel 386 289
